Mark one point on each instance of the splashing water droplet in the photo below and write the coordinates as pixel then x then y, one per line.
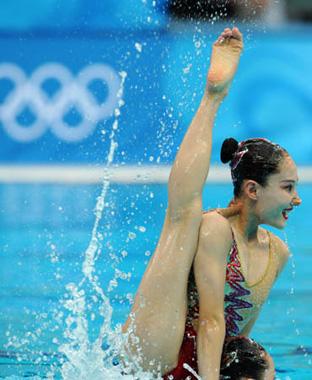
pixel 138 47
pixel 131 235
pixel 197 44
pixel 187 69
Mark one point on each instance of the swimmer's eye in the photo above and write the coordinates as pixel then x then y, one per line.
pixel 289 188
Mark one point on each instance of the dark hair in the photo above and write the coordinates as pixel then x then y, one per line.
pixel 242 357
pixel 253 159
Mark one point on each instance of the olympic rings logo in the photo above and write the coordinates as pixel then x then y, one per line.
pixel 49 111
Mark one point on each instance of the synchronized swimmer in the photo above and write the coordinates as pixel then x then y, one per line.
pixel 212 271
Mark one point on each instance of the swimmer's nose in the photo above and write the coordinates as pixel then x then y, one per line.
pixel 297 201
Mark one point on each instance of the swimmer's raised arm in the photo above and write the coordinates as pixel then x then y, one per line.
pixel 190 168
pixel 210 269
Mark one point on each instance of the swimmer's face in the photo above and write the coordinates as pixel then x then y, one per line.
pixel 277 199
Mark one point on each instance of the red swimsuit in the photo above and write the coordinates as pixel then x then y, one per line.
pixel 188 355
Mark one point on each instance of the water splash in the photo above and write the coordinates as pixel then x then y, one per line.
pixel 99 358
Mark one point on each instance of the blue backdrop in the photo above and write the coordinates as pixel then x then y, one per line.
pixel 59 85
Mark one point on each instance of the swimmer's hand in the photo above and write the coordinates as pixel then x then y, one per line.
pixel 234 208
pixel 224 60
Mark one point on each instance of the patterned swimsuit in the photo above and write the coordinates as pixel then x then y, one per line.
pixel 242 303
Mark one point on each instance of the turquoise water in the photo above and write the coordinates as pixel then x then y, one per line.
pixel 45 230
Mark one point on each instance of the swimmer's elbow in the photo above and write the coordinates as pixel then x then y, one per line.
pixel 213 325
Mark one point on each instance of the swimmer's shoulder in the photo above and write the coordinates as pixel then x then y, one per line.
pixel 279 248
pixel 215 216
pixel 215 229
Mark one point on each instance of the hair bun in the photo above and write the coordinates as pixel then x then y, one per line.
pixel 228 149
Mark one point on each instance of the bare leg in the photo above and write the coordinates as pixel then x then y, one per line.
pixel 157 319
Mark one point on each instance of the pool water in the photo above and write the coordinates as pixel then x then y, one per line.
pixel 45 230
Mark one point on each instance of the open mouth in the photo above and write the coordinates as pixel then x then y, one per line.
pixel 285 213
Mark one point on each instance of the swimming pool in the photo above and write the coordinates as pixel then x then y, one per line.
pixel 45 232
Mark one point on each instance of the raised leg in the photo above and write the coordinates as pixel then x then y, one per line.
pixel 157 320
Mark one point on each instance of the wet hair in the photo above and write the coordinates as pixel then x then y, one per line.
pixel 242 357
pixel 253 159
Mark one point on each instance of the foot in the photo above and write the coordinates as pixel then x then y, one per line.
pixel 225 56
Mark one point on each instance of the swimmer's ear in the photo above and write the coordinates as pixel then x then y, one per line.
pixel 251 189
pixel 233 209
